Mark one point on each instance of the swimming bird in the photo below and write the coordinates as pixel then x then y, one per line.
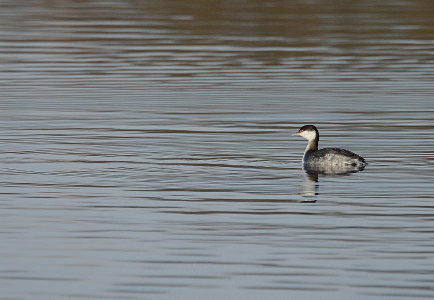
pixel 327 160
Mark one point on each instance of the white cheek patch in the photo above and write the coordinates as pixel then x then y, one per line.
pixel 308 135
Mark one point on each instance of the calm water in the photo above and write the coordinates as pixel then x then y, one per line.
pixel 147 149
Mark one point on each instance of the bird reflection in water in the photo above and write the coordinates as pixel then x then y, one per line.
pixel 310 187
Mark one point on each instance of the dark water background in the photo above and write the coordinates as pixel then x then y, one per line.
pixel 147 149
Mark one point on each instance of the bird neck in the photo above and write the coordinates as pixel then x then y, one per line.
pixel 311 146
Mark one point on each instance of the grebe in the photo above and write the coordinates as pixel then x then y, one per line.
pixel 327 160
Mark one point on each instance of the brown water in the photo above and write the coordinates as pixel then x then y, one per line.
pixel 147 149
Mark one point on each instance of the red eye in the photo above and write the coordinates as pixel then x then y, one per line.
pixel 301 130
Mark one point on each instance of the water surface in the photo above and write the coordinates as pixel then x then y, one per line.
pixel 147 149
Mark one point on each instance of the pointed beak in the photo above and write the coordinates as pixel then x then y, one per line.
pixel 297 133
